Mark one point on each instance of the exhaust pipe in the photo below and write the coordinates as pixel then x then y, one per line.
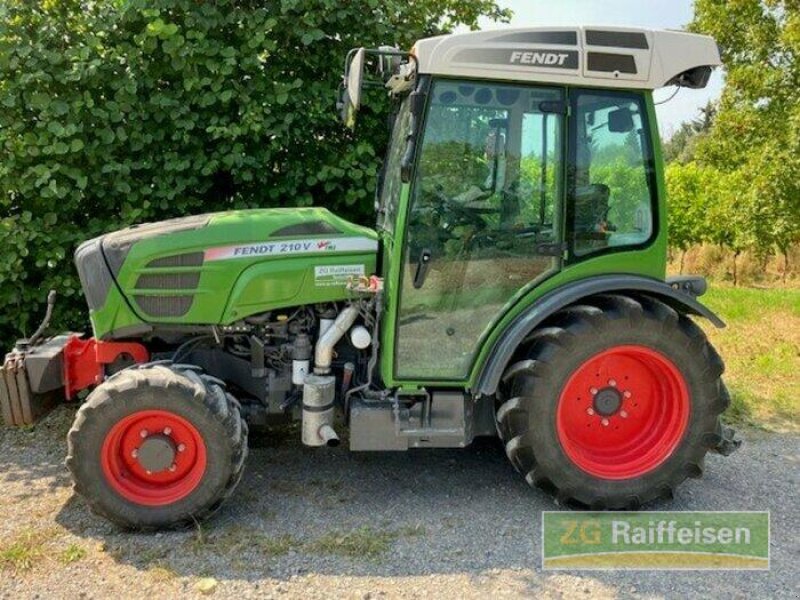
pixel 328 435
pixel 318 396
pixel 323 353
pixel 319 388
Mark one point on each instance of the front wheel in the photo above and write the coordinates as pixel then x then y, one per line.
pixel 613 403
pixel 157 446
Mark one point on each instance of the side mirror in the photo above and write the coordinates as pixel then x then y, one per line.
pixel 389 61
pixel 354 79
pixel 620 121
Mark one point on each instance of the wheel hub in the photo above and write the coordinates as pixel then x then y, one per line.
pixel 157 453
pixel 154 457
pixel 607 401
pixel 623 412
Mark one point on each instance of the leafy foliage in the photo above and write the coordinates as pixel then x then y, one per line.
pixel 681 146
pixel 121 112
pixel 744 174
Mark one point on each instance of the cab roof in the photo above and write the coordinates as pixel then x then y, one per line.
pixel 617 57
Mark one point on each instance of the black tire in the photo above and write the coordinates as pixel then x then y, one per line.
pixel 535 378
pixel 184 391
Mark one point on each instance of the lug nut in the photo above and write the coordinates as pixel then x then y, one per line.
pixel 590 411
pixel 623 414
pixel 149 472
pixel 604 422
pixel 144 433
pixel 627 394
pixel 612 382
pixel 135 453
pixel 172 468
pixel 167 430
pixel 181 447
pixel 593 391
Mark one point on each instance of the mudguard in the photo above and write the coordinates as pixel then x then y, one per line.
pixel 679 293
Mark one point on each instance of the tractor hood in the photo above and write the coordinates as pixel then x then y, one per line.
pixel 216 269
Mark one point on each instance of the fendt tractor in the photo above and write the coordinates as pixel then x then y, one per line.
pixel 514 286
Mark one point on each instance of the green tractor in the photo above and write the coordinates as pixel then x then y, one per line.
pixel 514 286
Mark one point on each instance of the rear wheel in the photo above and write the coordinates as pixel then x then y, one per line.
pixel 612 403
pixel 157 446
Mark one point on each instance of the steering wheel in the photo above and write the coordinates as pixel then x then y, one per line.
pixel 463 214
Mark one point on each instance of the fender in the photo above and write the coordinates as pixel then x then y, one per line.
pixel 679 293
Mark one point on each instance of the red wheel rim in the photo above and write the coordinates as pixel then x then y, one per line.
pixel 163 437
pixel 623 412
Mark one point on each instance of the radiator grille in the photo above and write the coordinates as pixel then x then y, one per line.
pixel 191 259
pixel 168 281
pixel 165 306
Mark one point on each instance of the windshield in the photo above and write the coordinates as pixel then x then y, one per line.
pixel 391 178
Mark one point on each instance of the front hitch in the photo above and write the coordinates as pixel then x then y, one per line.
pixel 31 381
pixel 41 372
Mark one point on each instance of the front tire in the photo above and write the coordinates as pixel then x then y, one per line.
pixel 612 403
pixel 157 446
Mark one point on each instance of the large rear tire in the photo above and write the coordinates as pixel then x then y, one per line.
pixel 157 446
pixel 612 403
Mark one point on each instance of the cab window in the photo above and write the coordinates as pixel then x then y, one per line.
pixel 612 190
pixel 485 202
pixel 391 181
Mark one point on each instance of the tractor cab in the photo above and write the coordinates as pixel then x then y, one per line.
pixel 519 159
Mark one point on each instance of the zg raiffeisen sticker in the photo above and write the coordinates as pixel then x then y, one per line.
pixel 331 275
pixel 655 540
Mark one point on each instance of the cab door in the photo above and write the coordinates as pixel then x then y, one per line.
pixel 484 219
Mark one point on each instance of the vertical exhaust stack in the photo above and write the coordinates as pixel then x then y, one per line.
pixel 323 354
pixel 319 388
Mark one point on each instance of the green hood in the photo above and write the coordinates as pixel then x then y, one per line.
pixel 218 268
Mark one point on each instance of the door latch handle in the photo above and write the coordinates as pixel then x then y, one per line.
pixel 423 263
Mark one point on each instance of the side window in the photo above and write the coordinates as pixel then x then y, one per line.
pixel 612 188
pixel 390 174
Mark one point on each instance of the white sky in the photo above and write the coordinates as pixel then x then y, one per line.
pixel 656 14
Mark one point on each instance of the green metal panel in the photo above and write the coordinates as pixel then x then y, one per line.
pixel 253 261
pixel 392 265
pixel 114 315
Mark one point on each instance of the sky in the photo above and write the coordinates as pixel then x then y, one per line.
pixel 654 14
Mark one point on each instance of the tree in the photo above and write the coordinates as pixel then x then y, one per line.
pixel 681 146
pixel 128 111
pixel 687 186
pixel 756 133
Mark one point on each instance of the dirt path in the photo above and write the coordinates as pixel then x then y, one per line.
pixel 321 524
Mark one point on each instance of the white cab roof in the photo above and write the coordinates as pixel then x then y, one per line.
pixel 588 56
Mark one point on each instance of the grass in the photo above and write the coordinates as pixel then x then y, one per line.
pixel 73 553
pixel 761 349
pixel 32 548
pixel 364 542
pixel 24 551
pixel 237 538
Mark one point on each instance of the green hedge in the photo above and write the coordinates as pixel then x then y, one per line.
pixel 119 112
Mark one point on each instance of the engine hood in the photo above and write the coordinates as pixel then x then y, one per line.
pixel 217 268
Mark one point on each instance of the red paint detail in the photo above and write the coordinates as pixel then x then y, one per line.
pixel 131 481
pixel 84 361
pixel 323 244
pixel 657 413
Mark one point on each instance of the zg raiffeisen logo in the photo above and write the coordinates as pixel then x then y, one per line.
pixel 663 540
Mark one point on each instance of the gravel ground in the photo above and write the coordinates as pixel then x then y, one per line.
pixel 319 524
